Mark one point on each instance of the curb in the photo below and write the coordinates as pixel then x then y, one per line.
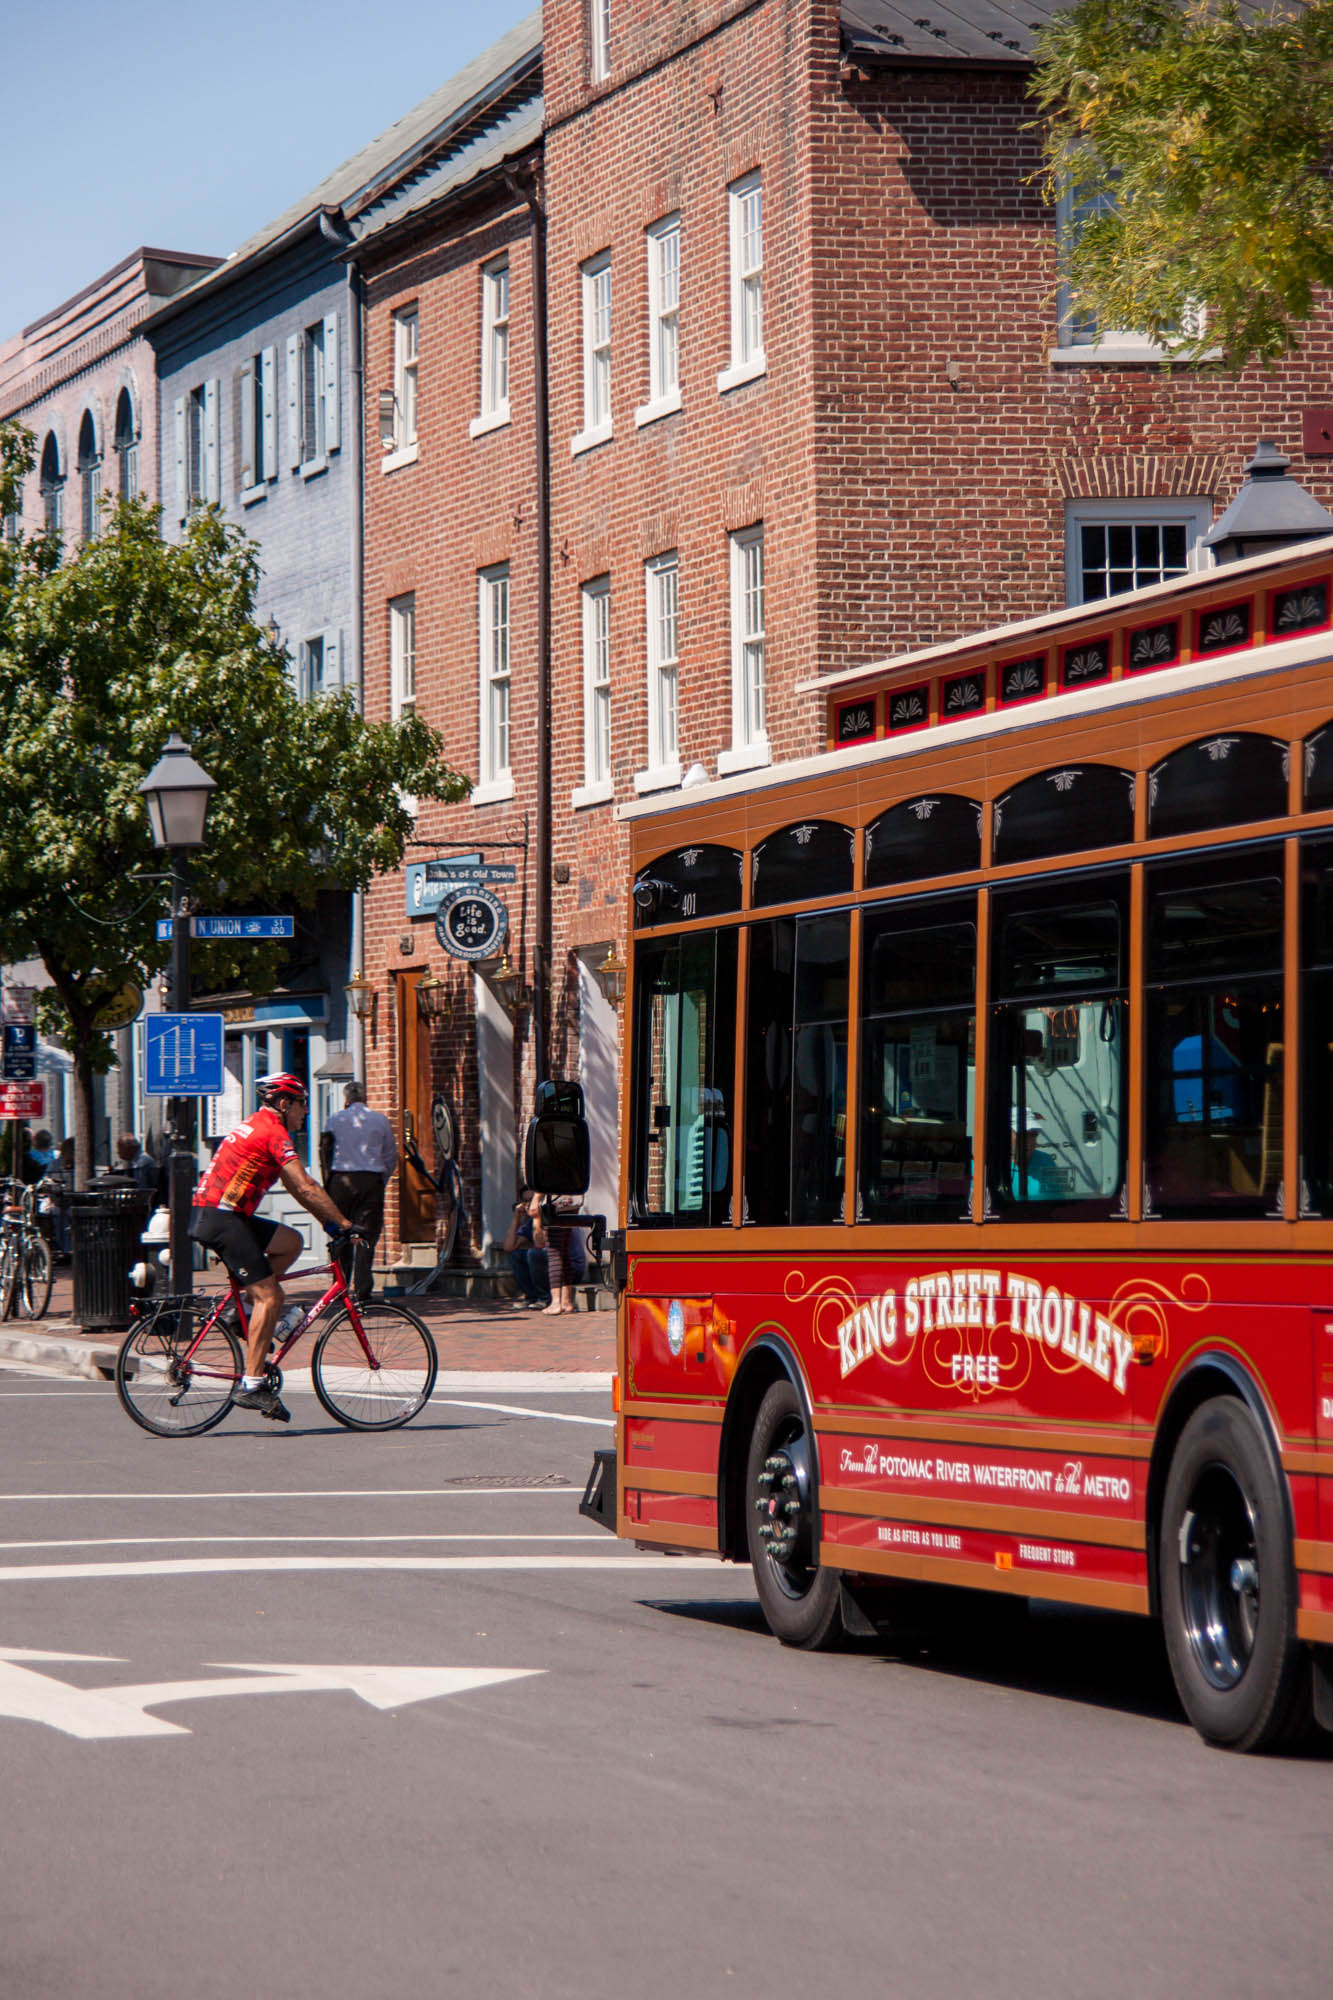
pixel 73 1357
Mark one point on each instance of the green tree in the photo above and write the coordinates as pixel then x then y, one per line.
pixel 1193 141
pixel 100 659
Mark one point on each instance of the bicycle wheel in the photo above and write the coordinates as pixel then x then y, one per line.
pixel 451 1210
pixel 168 1394
pixel 9 1274
pixel 34 1276
pixel 378 1395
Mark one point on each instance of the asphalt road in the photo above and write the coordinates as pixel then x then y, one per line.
pixel 658 1800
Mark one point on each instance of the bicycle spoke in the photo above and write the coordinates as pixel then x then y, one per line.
pixel 169 1380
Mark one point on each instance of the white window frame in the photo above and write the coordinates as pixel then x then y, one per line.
pixel 494 411
pixel 599 40
pixel 403 666
pixel 749 732
pixel 308 651
pixel 595 286
pixel 662 243
pixel 745 256
pixel 314 397
pixel 598 784
pixel 406 361
pixel 1076 347
pixel 259 425
pixel 1192 512
pixel 495 776
pixel 661 610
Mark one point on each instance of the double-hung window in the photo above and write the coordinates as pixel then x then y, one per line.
pixel 595 278
pixel 52 482
pixel 1079 337
pixel 259 422
pixel 1117 545
pixel 749 718
pixel 663 244
pixel 661 602
pixel 127 447
pixel 745 230
pixel 314 396
pixel 494 347
pixel 402 441
pixel 197 455
pixel 403 664
pixel 494 771
pixel 597 783
pixel 90 476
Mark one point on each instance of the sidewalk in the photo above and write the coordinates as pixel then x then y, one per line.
pixel 470 1335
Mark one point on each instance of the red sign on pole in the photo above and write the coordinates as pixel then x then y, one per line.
pixel 23 1100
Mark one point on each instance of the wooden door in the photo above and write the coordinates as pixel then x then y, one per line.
pixel 416 1198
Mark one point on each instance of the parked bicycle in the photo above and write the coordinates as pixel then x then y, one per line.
pixel 373 1367
pixel 25 1255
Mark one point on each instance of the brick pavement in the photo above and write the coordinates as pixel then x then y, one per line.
pixel 469 1333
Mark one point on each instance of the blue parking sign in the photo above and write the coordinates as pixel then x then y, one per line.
pixel 183 1055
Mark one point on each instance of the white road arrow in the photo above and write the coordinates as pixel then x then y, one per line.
pixel 96 1713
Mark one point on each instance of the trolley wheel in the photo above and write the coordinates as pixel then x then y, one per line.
pixel 800 1600
pixel 168 1393
pixel 1228 1585
pixel 378 1395
pixel 34 1291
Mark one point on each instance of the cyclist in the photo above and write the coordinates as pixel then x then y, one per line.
pixel 255 1250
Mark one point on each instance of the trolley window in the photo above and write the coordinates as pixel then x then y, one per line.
pixel 1057 1130
pixel 813 858
pixel 921 837
pixel 918 1002
pixel 796 1070
pixel 1218 781
pixel 1213 1139
pixel 1064 811
pixel 701 881
pixel 682 1096
pixel 1317 1025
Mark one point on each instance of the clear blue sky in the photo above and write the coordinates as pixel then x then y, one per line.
pixel 188 127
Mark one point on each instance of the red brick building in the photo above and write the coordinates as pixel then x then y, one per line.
pixel 797 391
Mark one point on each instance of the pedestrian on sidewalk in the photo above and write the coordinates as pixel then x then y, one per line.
pixel 566 1255
pixel 527 1263
pixel 134 1160
pixel 359 1152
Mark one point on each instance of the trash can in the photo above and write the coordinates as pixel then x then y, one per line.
pixel 105 1227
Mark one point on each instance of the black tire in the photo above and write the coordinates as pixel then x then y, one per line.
pixel 9 1275
pixel 165 1393
pixel 379 1398
pixel 34 1291
pixel 1228 1584
pixel 801 1601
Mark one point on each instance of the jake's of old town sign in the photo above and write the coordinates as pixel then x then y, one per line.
pixel 471 922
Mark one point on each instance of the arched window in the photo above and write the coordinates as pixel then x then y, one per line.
pixel 90 475
pixel 813 858
pixel 920 837
pixel 1063 811
pixel 127 446
pixel 1218 781
pixel 692 882
pixel 52 481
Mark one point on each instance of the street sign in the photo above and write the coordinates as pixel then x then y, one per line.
pixel 471 923
pixel 20 1003
pixel 23 1100
pixel 456 870
pixel 20 1057
pixel 421 898
pixel 183 1055
pixel 232 928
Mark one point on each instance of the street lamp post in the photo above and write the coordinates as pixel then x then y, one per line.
pixel 176 793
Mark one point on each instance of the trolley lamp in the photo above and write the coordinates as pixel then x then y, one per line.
pixel 176 793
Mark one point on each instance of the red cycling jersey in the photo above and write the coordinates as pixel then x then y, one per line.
pixel 246 1164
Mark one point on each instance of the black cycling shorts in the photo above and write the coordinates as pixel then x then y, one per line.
pixel 241 1241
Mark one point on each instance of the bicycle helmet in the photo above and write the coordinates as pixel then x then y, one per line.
pixel 285 1085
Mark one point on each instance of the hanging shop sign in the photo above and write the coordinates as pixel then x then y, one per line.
pixel 471 923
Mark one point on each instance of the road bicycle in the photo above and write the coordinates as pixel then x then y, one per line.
pixel 25 1255
pixel 373 1367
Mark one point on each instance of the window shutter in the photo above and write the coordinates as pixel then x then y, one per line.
pixel 332 384
pixel 212 481
pixel 247 393
pixel 294 400
pixel 268 391
pixel 333 657
pixel 182 494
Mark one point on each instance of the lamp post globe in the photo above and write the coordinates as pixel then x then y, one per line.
pixel 176 793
